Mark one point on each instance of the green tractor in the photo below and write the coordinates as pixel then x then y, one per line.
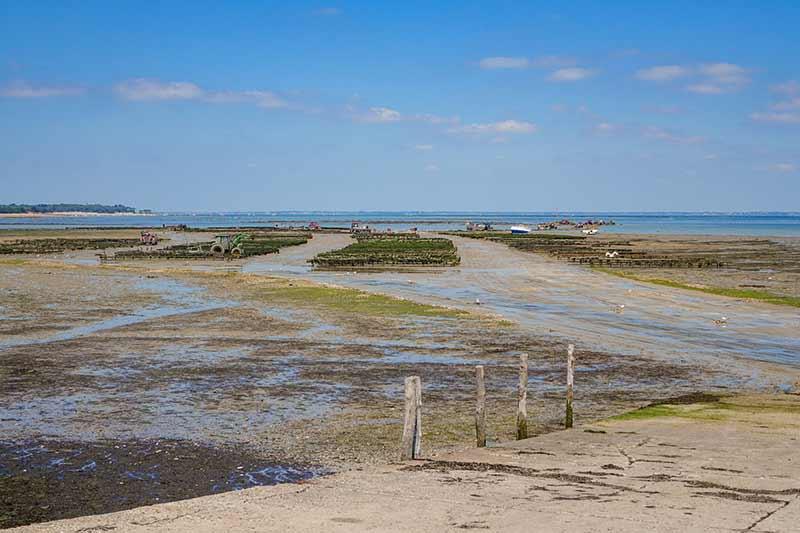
pixel 229 244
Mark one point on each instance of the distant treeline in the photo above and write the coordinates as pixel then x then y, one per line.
pixel 56 208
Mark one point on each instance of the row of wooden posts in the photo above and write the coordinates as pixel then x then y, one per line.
pixel 412 418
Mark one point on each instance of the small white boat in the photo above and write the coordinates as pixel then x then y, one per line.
pixel 592 231
pixel 520 229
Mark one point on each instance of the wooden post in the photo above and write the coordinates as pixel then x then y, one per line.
pixel 522 397
pixel 480 408
pixel 417 418
pixel 570 384
pixel 412 420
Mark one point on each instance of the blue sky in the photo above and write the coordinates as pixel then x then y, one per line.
pixel 258 106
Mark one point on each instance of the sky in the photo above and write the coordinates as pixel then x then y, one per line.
pixel 449 105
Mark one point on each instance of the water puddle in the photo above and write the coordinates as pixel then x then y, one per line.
pixel 178 299
pixel 69 477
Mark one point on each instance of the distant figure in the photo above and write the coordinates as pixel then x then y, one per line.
pixel 477 301
pixel 721 322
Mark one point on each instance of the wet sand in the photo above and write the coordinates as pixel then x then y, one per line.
pixel 573 302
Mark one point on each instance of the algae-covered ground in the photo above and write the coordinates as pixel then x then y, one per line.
pixel 743 408
pixel 730 292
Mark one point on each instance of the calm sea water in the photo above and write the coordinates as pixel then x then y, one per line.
pixel 775 224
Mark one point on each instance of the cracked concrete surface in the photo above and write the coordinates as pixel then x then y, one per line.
pixel 738 472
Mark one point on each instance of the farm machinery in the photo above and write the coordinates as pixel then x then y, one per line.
pixel 229 244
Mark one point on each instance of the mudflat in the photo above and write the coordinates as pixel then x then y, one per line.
pixel 265 367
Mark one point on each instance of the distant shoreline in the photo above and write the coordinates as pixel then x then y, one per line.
pixel 73 214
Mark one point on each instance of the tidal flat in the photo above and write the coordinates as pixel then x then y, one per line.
pixel 296 370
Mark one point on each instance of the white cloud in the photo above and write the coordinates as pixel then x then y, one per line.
pixel 789 87
pixel 570 74
pixel 708 78
pixel 505 126
pixel 327 12
pixel 784 167
pixel 710 157
pixel 661 134
pixel 21 89
pixel 787 105
pixel 705 88
pixel 605 128
pixel 265 99
pixel 432 168
pixel 381 114
pixel 779 118
pixel 423 147
pixel 147 90
pixel 725 73
pixel 501 62
pixel 142 90
pixel 517 62
pixel 662 73
pixel 719 78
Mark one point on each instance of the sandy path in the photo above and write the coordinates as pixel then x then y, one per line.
pixel 577 304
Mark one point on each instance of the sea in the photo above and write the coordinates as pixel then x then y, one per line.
pixel 750 224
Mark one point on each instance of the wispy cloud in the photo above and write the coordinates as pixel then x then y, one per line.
pixel 776 117
pixel 705 88
pixel 725 73
pixel 327 12
pixel 790 87
pixel 787 105
pixel 785 111
pixel 571 74
pixel 432 168
pixel 148 90
pixel 144 90
pixel 423 147
pixel 707 78
pixel 720 78
pixel 22 89
pixel 661 134
pixel 502 127
pixel 517 62
pixel 663 73
pixel 502 62
pixel 784 167
pixel 606 128
pixel 380 114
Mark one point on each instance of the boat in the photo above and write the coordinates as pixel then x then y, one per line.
pixel 590 231
pixel 520 229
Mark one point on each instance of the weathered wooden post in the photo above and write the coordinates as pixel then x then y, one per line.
pixel 412 419
pixel 570 384
pixel 480 407
pixel 522 397
pixel 417 418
